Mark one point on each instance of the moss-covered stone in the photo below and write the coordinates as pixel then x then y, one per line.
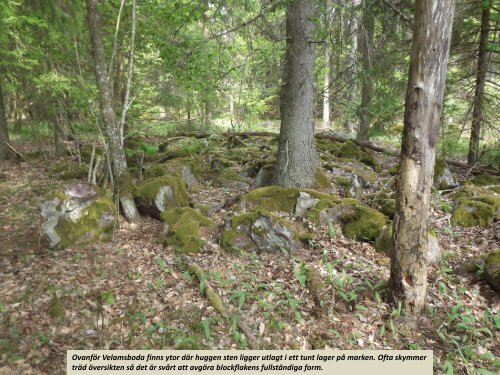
pixel 394 170
pixel 492 269
pixel 231 175
pixel 184 229
pixel 362 223
pixel 387 207
pixel 485 179
pixel 383 243
pixel 439 167
pixel 271 199
pixel 69 171
pixel 259 230
pixel 189 169
pixel 470 213
pixel 351 151
pixel 94 222
pixel 159 194
pixel 321 180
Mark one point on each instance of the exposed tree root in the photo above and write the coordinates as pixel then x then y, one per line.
pixel 218 305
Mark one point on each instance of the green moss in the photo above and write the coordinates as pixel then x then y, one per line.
pixel 362 223
pixel 155 170
pixel 149 189
pixel 328 145
pixel 88 228
pixel 69 171
pixel 175 166
pixel 185 225
pixel 271 198
pixel 344 182
pixel 394 170
pixel 56 308
pixel 383 243
pixel 484 179
pixel 231 175
pixel 370 160
pixel 321 180
pixel 387 207
pixel 470 213
pixel 349 150
pixel 439 168
pixel 492 268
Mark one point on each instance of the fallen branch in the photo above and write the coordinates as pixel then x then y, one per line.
pixel 218 305
pixel 17 153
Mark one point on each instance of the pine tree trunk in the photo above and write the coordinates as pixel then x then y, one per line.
pixel 424 98
pixel 117 154
pixel 365 45
pixel 297 156
pixel 4 131
pixel 482 67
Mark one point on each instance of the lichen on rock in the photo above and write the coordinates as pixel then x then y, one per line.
pixel 70 219
pixel 262 231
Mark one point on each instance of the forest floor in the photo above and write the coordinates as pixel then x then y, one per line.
pixel 133 293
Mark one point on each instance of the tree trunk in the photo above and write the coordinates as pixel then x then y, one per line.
pixel 482 67
pixel 365 46
pixel 297 156
pixel 351 63
pixel 424 98
pixel 4 131
pixel 326 74
pixel 117 154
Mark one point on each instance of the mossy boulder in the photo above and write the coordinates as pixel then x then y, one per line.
pixel 350 150
pixel 321 179
pixel 156 195
pixel 492 269
pixel 362 223
pixel 185 228
pixel 278 199
pixel 475 206
pixel 77 214
pixel 443 178
pixel 387 206
pixel 189 169
pixel 69 171
pixel 357 221
pixel 262 231
pixel 485 179
pixel 478 211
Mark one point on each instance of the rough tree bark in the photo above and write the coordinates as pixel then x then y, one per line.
pixel 365 45
pixel 351 62
pixel 117 153
pixel 482 67
pixel 297 156
pixel 424 98
pixel 327 73
pixel 4 132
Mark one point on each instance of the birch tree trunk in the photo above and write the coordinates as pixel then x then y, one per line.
pixel 117 153
pixel 424 98
pixel 297 156
pixel 482 67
